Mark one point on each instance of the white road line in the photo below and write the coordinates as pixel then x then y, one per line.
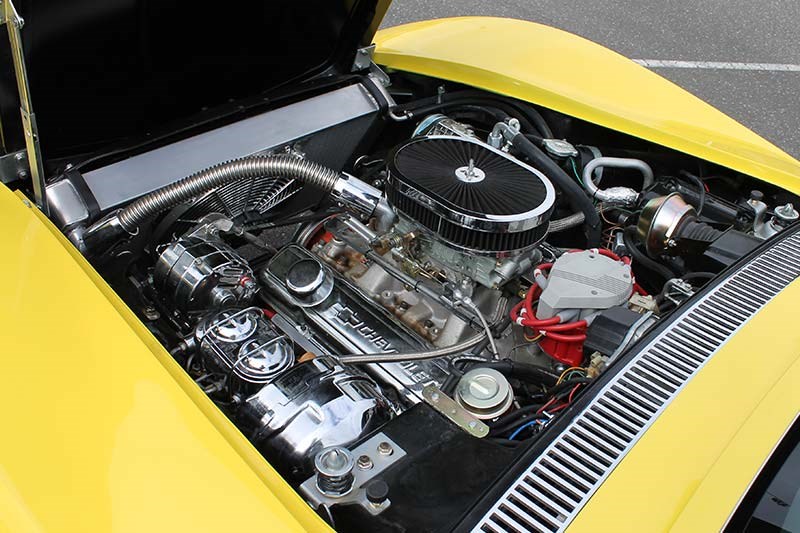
pixel 718 65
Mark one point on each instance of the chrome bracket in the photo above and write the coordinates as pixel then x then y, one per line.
pixel 12 20
pixel 379 76
pixel 373 457
pixel 14 166
pixel 454 412
pixel 363 58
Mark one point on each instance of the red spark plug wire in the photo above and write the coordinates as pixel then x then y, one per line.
pixel 551 331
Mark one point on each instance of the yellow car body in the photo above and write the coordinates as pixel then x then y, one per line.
pixel 157 455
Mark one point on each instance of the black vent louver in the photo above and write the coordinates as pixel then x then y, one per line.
pixel 471 195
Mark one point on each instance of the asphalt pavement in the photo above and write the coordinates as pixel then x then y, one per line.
pixel 742 56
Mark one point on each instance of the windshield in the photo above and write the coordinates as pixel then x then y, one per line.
pixel 773 502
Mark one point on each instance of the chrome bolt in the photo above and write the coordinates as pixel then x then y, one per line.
pixel 151 313
pixel 365 462
pixel 384 448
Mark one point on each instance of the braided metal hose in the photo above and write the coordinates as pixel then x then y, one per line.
pixel 391 357
pixel 210 178
pixel 569 221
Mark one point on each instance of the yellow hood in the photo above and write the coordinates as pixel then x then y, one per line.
pixel 575 76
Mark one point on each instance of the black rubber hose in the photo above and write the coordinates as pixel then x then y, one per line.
pixel 640 259
pixel 535 139
pixel 576 196
pixel 527 111
pixel 698 275
pixel 701 201
pixel 470 113
pixel 496 109
pixel 531 114
pixel 450 383
pixel 522 371
pixel 484 115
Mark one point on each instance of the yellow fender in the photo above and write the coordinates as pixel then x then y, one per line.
pixel 102 430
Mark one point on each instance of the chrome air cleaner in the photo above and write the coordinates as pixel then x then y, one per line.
pixel 474 197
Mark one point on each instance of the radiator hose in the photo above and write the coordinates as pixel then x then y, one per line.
pixel 357 196
pixel 574 194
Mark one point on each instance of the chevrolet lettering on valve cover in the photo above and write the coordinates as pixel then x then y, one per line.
pixel 273 270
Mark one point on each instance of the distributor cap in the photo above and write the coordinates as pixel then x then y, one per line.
pixel 585 280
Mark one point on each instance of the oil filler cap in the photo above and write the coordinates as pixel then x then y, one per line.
pixel 304 277
pixel 307 281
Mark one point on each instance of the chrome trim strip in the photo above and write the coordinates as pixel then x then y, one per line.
pixel 617 417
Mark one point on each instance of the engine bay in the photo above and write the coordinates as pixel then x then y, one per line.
pixel 392 289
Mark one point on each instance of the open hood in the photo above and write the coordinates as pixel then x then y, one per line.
pixel 103 71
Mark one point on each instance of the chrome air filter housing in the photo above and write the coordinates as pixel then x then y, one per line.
pixel 470 195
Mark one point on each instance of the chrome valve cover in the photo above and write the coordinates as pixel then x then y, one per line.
pixel 340 312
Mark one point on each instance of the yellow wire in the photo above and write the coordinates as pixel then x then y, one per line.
pixel 564 373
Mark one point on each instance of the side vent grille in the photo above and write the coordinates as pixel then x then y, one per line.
pixel 562 479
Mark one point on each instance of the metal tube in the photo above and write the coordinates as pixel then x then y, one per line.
pixel 352 192
pixel 471 305
pixel 616 195
pixel 413 356
pixel 14 22
pixel 211 178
